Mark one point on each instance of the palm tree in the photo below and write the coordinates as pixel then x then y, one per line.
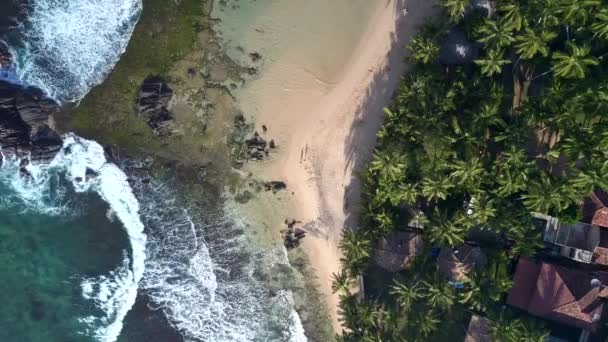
pixel 356 248
pixel 542 195
pixel 406 295
pixel 436 188
pixel 573 12
pixel 341 282
pixel 495 34
pixel 468 174
pixel 512 15
pixel 455 8
pixel 424 49
pixel 484 209
pixel 427 321
pixel 600 25
pixel 439 296
pixel 547 13
pixel 492 63
pixel 531 43
pixel 444 232
pixel 573 64
pixel 388 164
pixel 505 330
pixel 526 240
pixel 408 193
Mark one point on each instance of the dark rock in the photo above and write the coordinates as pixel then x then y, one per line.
pixel 264 128
pixel 256 141
pixel 239 120
pixel 153 101
pixel 272 144
pixel 24 129
pixel 46 143
pixel 255 57
pixel 5 55
pixel 112 153
pixel 275 186
pixel 91 174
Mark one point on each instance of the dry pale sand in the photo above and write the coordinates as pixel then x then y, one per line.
pixel 326 130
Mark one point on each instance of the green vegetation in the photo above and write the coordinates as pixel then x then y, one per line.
pixel 479 146
pixel 165 33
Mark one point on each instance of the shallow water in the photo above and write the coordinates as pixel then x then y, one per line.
pixel 46 254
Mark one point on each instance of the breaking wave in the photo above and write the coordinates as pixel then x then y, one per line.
pixel 82 162
pixel 199 273
pixel 66 47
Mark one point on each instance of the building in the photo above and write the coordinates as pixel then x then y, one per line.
pixel 595 209
pixel 456 263
pixel 571 297
pixel 582 242
pixel 478 330
pixel 397 250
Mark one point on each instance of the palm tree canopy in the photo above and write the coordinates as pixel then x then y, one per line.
pixel 455 8
pixel 532 43
pixel 575 63
pixel 600 24
pixel 496 34
pixel 492 63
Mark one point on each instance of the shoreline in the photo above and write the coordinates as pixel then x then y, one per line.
pixel 324 140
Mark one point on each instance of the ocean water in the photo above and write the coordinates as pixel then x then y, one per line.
pixel 114 256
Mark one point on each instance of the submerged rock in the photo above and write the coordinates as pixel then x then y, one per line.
pixel 5 55
pixel 153 101
pixel 24 129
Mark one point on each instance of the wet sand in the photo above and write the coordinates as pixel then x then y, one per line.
pixel 320 91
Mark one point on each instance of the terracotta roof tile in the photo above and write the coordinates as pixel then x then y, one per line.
pixel 524 283
pixel 558 293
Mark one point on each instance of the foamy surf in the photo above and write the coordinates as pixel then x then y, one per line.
pixel 199 273
pixel 66 47
pixel 84 164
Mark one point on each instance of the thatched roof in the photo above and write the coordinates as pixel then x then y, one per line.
pixel 397 250
pixel 478 330
pixel 456 49
pixel 457 263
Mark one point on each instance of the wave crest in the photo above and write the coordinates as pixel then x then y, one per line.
pixel 66 47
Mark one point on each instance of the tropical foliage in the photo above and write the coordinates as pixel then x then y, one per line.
pixel 472 149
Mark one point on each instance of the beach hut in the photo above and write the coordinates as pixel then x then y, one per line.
pixel 456 263
pixel 478 330
pixel 397 250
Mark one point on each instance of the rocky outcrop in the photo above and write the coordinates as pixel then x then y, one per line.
pixel 152 102
pixel 5 55
pixel 24 129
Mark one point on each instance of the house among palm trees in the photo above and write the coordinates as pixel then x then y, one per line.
pixel 396 251
pixel 456 263
pixel 582 242
pixel 478 330
pixel 571 297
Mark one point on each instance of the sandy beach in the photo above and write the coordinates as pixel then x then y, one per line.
pixel 325 125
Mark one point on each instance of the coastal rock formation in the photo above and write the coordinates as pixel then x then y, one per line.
pixel 153 101
pixel 24 129
pixel 5 55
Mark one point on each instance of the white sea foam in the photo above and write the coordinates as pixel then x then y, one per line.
pixel 116 292
pixel 69 46
pixel 199 274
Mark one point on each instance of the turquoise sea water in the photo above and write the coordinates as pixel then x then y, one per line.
pixel 44 258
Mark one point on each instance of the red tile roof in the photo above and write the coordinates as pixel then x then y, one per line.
pixel 557 293
pixel 595 208
pixel 600 255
